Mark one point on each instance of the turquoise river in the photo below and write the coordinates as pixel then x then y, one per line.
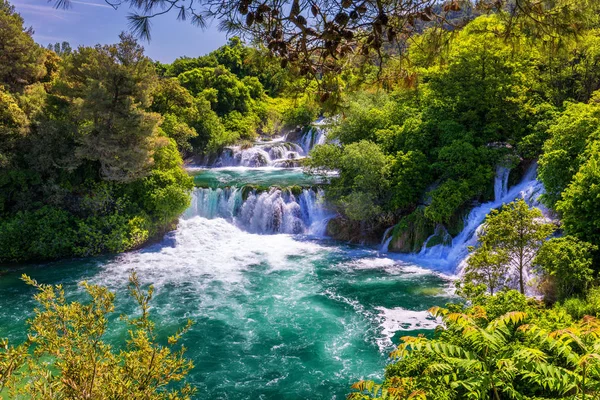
pixel 280 310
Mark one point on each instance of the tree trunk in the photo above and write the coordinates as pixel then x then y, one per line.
pixel 521 284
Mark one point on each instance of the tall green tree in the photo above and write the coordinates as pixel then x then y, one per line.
pixel 21 59
pixel 519 231
pixel 110 89
pixel 579 206
pixel 487 266
pixel 564 151
pixel 14 125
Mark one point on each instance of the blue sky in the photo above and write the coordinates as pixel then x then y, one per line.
pixel 89 22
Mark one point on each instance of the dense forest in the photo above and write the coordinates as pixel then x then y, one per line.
pixel 93 142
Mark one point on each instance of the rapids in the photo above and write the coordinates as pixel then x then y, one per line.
pixel 276 316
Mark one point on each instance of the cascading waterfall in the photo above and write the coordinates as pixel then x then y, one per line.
pixel 266 212
pixel 449 257
pixel 276 153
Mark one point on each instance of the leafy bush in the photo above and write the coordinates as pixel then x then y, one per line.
pixel 66 355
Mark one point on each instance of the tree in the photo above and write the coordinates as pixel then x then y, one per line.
pixel 13 126
pixel 110 87
pixel 487 266
pixel 66 356
pixel 567 262
pixel 21 58
pixel 563 153
pixel 579 206
pixel 485 88
pixel 362 186
pixel 519 232
pixel 409 173
pixel 62 49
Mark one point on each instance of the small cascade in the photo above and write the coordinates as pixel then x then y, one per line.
pixel 316 135
pixel 501 183
pixel 385 240
pixel 451 256
pixel 215 203
pixel 274 153
pixel 266 212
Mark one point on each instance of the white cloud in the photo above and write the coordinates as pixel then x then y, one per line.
pixel 45 11
pixel 92 4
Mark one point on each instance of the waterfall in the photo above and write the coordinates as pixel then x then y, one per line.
pixel 501 183
pixel 276 153
pixel 385 240
pixel 450 256
pixel 265 212
pixel 316 135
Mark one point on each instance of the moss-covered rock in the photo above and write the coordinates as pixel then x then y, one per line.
pixel 440 236
pixel 457 222
pixel 296 190
pixel 344 229
pixel 246 191
pixel 411 232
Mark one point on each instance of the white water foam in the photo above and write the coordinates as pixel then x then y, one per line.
pixel 207 248
pixel 399 319
pixel 276 154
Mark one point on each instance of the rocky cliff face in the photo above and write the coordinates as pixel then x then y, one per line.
pixel 343 229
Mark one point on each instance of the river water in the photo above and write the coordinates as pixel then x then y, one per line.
pixel 280 311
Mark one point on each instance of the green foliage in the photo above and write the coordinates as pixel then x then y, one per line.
pixel 84 166
pixel 411 232
pixel 446 199
pixel 469 107
pixel 13 125
pixel 566 263
pixel 230 93
pixel 231 87
pixel 500 346
pixel 109 88
pixel 44 233
pixel 65 355
pixel 408 177
pixel 579 206
pixel 179 131
pixel 564 151
pixel 518 232
pixel 300 113
pixel 363 177
pixel 578 307
pixel 21 59
pixel 488 267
